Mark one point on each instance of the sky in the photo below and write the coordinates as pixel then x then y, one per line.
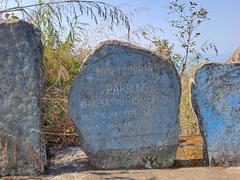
pixel 223 28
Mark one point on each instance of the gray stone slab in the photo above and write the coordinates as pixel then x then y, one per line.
pixel 215 97
pixel 125 104
pixel 21 79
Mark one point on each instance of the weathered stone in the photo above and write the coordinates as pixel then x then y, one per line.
pixel 235 57
pixel 215 94
pixel 21 79
pixel 125 104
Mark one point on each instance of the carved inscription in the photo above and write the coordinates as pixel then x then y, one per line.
pixel 137 88
pixel 128 88
pixel 131 69
pixel 133 90
pixel 119 102
pixel 111 115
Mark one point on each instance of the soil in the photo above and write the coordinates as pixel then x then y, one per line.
pixel 72 163
pixel 189 152
pixel 71 159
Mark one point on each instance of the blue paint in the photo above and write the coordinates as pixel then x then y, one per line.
pixel 216 94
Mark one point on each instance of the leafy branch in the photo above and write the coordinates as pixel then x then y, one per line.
pixel 187 17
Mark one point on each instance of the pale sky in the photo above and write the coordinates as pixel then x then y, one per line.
pixel 223 29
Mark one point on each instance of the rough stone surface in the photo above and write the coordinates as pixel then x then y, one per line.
pixel 21 78
pixel 215 94
pixel 125 104
pixel 235 57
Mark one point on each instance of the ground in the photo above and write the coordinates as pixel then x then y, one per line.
pixel 72 163
pixel 189 152
pixel 160 174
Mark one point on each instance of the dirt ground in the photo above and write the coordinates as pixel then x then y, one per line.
pixel 72 164
pixel 198 173
pixel 65 160
pixel 189 152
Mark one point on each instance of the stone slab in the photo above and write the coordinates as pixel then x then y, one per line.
pixel 21 80
pixel 125 104
pixel 215 91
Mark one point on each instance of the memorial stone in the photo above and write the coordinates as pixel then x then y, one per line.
pixel 125 104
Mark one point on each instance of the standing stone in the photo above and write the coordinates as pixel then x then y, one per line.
pixel 21 79
pixel 215 93
pixel 125 104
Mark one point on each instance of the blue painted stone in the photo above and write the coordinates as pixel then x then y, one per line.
pixel 216 100
pixel 125 104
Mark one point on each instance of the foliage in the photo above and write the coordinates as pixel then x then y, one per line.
pixel 162 47
pixel 60 66
pixel 64 13
pixel 186 18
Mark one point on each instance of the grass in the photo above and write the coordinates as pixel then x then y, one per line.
pixel 60 68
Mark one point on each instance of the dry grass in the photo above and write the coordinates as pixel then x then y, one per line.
pixel 60 68
pixel 188 119
pixel 58 127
